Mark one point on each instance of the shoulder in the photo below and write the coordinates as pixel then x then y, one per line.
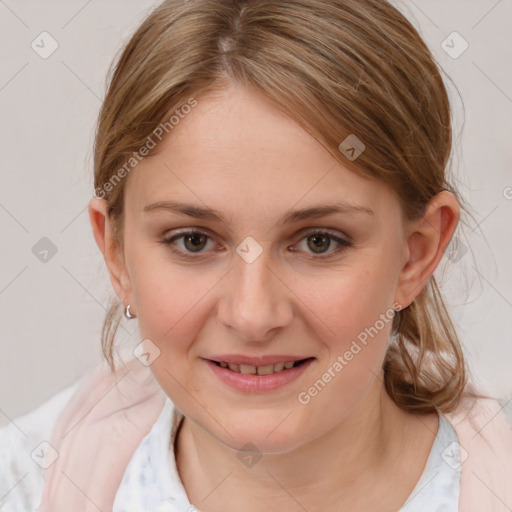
pixel 485 438
pixel 482 419
pixel 114 407
pixel 23 445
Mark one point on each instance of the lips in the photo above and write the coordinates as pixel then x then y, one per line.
pixel 236 373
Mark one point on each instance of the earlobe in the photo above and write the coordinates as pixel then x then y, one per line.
pixel 427 240
pixel 112 253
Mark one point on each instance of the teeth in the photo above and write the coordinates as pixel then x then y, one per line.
pixel 248 369
pixel 266 370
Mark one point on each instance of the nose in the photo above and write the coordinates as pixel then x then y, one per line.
pixel 255 302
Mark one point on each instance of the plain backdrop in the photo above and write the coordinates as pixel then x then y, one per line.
pixel 52 303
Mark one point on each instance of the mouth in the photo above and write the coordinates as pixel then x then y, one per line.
pixel 268 369
pixel 248 374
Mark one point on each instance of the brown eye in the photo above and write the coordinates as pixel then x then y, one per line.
pixel 195 242
pixel 189 242
pixel 319 242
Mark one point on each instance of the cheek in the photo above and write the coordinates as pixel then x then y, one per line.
pixel 164 292
pixel 171 315
pixel 351 300
pixel 354 314
pixel 171 305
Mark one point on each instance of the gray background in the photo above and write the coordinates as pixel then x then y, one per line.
pixel 52 311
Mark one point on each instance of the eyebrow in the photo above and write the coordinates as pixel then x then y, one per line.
pixel 312 212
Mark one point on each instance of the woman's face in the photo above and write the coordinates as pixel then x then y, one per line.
pixel 264 284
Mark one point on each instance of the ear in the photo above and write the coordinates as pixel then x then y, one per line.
pixel 427 239
pixel 110 248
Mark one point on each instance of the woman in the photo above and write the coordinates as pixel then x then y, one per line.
pixel 271 201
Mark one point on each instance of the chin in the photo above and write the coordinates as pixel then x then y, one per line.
pixel 259 443
pixel 268 434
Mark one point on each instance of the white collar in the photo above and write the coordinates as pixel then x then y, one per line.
pixel 151 482
pixel 438 488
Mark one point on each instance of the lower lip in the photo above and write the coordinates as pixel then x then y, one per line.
pixel 258 383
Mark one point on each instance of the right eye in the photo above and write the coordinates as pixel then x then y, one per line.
pixel 192 242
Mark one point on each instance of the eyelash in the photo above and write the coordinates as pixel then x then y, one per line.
pixel 343 244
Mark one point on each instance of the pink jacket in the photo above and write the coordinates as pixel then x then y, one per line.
pixel 108 415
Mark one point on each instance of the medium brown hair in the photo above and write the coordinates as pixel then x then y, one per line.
pixel 336 67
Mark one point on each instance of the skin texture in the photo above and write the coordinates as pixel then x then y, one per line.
pixel 350 445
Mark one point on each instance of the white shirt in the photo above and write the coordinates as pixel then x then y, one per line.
pixel 151 482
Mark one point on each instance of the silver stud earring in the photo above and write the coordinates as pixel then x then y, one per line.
pixel 127 313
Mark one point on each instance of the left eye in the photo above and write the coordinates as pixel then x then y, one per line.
pixel 320 241
pixel 317 241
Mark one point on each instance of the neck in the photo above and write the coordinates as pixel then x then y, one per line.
pixel 351 459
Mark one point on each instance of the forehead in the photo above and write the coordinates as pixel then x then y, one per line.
pixel 237 153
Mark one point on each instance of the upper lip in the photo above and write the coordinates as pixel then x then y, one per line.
pixel 255 361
